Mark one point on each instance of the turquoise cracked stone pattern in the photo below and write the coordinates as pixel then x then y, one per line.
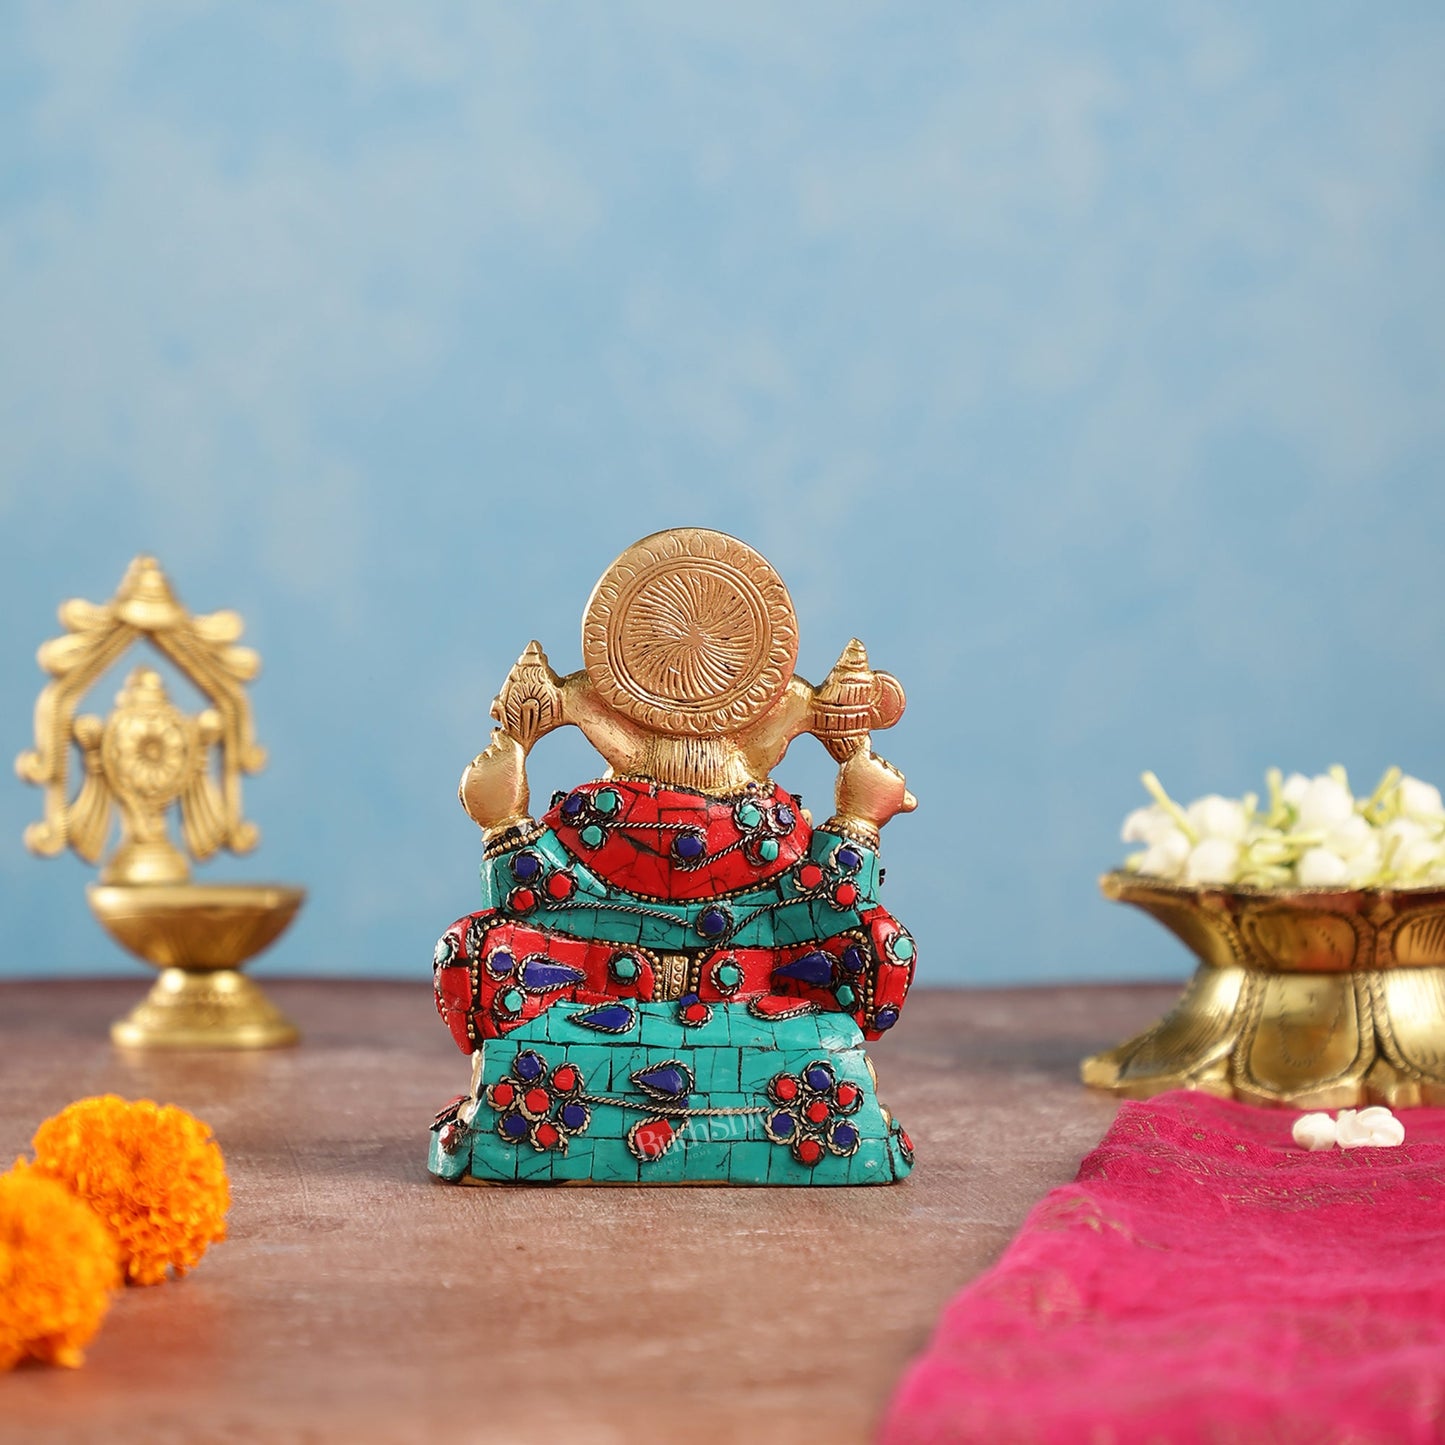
pixel 775 912
pixel 732 1059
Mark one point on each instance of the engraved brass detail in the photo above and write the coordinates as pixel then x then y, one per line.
pixel 1313 999
pixel 689 642
pixel 148 754
pixel 671 976
pixel 139 763
pixel 690 632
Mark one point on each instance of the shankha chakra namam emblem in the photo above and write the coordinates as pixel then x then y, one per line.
pixel 673 973
pixel 147 757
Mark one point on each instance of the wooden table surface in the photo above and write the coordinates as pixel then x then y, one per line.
pixel 358 1300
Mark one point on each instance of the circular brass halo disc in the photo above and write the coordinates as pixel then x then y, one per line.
pixel 690 632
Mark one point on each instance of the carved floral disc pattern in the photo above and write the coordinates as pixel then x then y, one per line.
pixel 149 752
pixel 690 632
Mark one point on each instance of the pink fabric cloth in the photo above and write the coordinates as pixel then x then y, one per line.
pixel 1205 1280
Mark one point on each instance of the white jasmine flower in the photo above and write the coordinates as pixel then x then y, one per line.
pixel 1364 868
pixel 1164 859
pixel 1312 833
pixel 1294 788
pixel 1214 860
pixel 1321 868
pixel 1420 800
pixel 1314 1132
pixel 1352 836
pixel 1412 852
pixel 1419 861
pixel 1400 832
pixel 1387 1130
pixel 1375 1128
pixel 1148 825
pixel 1216 817
pixel 1324 802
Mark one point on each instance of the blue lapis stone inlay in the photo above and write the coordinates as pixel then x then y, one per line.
pixel 818 1077
pixel 689 847
pixel 542 975
pixel 815 967
pixel 712 923
pixel 671 1080
pixel 782 1125
pixel 528 1066
pixel 574 1116
pixel 572 807
pixel 886 1018
pixel 514 1126
pixel 500 963
pixel 845 1136
pixel 786 817
pixel 851 958
pixel 850 860
pixel 525 867
pixel 609 1018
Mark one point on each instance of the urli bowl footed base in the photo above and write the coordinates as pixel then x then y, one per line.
pixel 1304 998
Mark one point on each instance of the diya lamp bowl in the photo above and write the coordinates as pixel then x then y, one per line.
pixel 1310 998
pixel 199 935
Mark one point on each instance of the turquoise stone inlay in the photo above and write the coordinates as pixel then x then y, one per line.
pixel 779 912
pixel 726 1100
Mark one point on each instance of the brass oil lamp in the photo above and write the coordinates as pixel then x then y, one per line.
pixel 147 758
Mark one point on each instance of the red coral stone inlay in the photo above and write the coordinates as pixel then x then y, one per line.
pixel 538 1100
pixel 564 1080
pixel 695 1013
pixel 561 885
pixel 502 1095
pixel 522 900
pixel 650 1140
pixel 817 1111
pixel 810 875
pixel 785 1087
pixel 845 895
pixel 810 1151
pixel 547 1135
pixel 847 1095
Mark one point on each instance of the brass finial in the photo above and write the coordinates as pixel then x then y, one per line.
pixel 852 701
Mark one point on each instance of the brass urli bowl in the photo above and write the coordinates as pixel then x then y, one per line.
pixel 1304 997
pixel 199 935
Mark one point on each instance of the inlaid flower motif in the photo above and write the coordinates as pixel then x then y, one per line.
pixel 810 1113
pixel 544 1108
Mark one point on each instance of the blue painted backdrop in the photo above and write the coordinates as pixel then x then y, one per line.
pixel 1087 361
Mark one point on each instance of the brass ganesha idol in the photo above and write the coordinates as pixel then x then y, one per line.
pixel 673 972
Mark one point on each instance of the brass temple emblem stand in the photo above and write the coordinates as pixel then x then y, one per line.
pixel 147 756
pixel 1310 998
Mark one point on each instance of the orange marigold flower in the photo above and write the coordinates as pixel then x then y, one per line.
pixel 152 1172
pixel 58 1266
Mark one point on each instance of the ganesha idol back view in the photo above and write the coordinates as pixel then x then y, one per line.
pixel 673 972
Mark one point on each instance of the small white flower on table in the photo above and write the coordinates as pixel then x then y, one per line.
pixel 1374 1128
